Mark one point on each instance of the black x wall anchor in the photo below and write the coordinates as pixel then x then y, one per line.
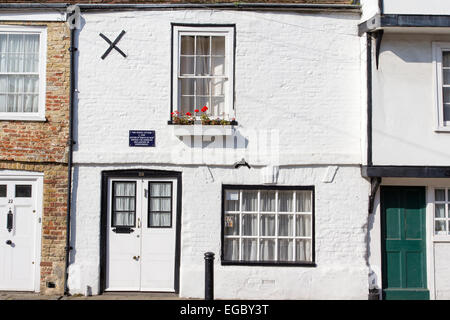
pixel 112 45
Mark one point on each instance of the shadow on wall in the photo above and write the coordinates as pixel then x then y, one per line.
pixel 374 269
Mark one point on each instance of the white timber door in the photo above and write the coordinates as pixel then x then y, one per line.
pixel 19 245
pixel 141 235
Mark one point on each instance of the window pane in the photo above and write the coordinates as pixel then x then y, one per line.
pixel 23 191
pixel 187 105
pixel 202 45
pixel 202 101
pixel 15 103
pixel 15 84
pixel 217 107
pixel 160 204
pixel 218 45
pixel 439 211
pixel 159 219
pixel 187 45
pixel 124 189
pixel 446 95
pixel 3 83
pixel 285 201
pixel 187 86
pixel 218 66
pixel 124 204
pixel 447 112
pixel 285 225
pixel 440 227
pixel 202 87
pixel 30 103
pixel 439 195
pixel 267 250
pixel 231 248
pixel 187 65
pixel 446 76
pixel 303 225
pixel 123 219
pixel 249 247
pixel 446 58
pixel 3 99
pixel 249 225
pixel 232 200
pixel 202 67
pixel 232 224
pixel 285 250
pixel 304 201
pixel 267 225
pixel 303 250
pixel 160 189
pixel 3 42
pixel 267 199
pixel 249 200
pixel 2 190
pixel 218 87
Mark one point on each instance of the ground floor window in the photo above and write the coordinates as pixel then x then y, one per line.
pixel 441 214
pixel 268 224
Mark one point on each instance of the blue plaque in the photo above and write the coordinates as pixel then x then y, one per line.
pixel 142 138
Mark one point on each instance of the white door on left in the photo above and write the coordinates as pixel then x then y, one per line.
pixel 18 220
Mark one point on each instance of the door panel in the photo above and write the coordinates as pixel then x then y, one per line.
pixel 17 258
pixel 404 243
pixel 151 241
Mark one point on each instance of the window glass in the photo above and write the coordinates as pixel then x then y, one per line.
pixel 160 204
pixel 203 77
pixel 19 68
pixel 441 211
pixel 2 190
pixel 23 191
pixel 124 204
pixel 268 227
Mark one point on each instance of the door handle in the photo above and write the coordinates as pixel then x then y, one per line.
pixel 8 242
pixel 136 258
pixel 9 221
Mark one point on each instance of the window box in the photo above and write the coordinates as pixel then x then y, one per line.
pixel 203 130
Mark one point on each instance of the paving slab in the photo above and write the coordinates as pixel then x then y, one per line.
pixel 7 295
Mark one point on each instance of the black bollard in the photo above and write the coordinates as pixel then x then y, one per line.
pixel 209 276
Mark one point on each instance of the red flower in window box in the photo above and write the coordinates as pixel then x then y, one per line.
pixel 196 110
pixel 188 114
pixel 204 108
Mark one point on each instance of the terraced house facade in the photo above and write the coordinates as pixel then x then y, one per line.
pixel 34 122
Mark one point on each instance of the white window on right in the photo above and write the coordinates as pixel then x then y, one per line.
pixel 441 212
pixel 202 79
pixel 441 61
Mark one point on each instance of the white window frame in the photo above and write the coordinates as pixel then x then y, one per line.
pixel 438 48
pixel 276 237
pixel 228 32
pixel 40 115
pixel 444 236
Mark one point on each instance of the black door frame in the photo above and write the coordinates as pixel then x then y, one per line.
pixel 137 174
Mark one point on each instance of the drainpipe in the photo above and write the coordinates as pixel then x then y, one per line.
pixel 70 142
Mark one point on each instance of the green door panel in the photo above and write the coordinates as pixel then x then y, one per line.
pixel 404 243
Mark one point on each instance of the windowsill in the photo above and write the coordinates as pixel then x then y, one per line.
pixel 268 263
pixel 181 130
pixel 22 117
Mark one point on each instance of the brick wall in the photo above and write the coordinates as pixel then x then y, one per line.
pixel 42 147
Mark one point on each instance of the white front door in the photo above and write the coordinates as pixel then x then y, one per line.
pixel 18 221
pixel 141 235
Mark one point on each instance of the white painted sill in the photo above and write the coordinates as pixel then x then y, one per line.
pixel 204 131
pixel 21 117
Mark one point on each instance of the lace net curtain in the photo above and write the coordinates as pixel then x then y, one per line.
pixel 19 72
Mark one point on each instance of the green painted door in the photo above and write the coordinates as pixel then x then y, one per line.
pixel 403 243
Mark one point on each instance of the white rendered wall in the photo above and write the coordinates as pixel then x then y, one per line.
pixel 403 104
pixel 340 231
pixel 369 9
pixel 297 75
pixel 433 7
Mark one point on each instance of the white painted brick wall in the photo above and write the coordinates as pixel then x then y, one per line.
pixel 296 74
pixel 340 227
